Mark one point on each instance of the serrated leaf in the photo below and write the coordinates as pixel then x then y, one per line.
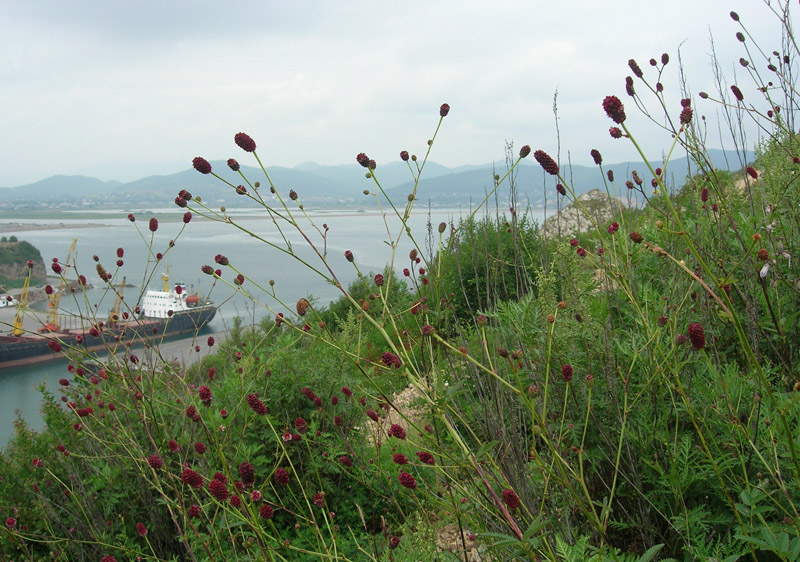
pixel 650 553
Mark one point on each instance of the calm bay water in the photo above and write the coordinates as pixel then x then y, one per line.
pixel 366 234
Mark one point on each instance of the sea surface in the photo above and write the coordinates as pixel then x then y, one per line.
pixel 254 246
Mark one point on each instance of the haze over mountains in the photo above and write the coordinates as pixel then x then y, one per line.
pixel 341 185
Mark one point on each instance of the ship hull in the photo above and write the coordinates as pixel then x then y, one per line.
pixel 17 351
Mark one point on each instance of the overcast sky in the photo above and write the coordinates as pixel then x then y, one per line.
pixel 122 90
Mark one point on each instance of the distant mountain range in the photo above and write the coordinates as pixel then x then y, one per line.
pixel 341 185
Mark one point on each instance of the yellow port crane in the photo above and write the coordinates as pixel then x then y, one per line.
pixel 52 324
pixel 22 303
pixel 113 316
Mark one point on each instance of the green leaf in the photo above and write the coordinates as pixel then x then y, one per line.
pixel 650 553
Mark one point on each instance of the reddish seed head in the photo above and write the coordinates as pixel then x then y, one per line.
pixel 524 151
pixel 737 92
pixel 372 415
pixel 204 393
pixel 752 172
pixel 697 336
pixel 629 86
pixel 614 109
pixel 428 330
pixel 131 217
pixel 404 156
pixel 244 142
pixel 362 159
pixel 201 165
pixel 444 110
pixel 281 476
pixel 219 490
pixel 141 529
pixel 426 457
pixel 664 58
pixel 566 372
pixel 636 238
pixel 348 255
pixel 155 462
pixel 194 511
pixel 256 405
pixel 548 164
pixel 581 252
pixel 615 132
pixel 397 431
pixel 266 511
pixel 510 498
pixel 635 68
pixel 199 448
pixel 391 360
pixel 233 164
pixel 153 224
pixel 221 260
pixel 704 195
pixel 54 345
pixel 187 216
pixel 11 523
pixel 399 458
pixel 247 473
pixel 596 156
pixel 407 480
pixel 379 280
pixel 192 478
pixel 686 115
pixel 347 392
pixel 346 461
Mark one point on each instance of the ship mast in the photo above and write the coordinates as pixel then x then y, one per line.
pixel 165 278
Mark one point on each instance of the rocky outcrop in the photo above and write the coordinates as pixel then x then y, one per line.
pixel 14 258
pixel 572 219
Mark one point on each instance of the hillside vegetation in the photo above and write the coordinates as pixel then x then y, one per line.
pixel 624 388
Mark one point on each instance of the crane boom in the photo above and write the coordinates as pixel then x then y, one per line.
pixel 52 324
pixel 22 303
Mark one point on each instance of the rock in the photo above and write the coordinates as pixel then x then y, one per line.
pixel 572 219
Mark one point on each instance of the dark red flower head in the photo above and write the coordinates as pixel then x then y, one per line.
pixel 510 498
pixel 737 92
pixel 244 142
pixel 426 457
pixel 397 431
pixel 407 480
pixel 614 109
pixel 187 217
pixel 546 162
pixel 141 529
pixel 615 132
pixel 444 110
pixel 362 159
pixel 404 156
pixel 596 156
pixel 635 68
pixel 247 473
pixel 256 405
pixel 219 490
pixel 153 224
pixel 201 165
pixel 155 462
pixel 566 372
pixel 190 477
pixel 752 172
pixel 266 511
pixel 697 335
pixel 524 151
pixel 233 164
pixel 281 476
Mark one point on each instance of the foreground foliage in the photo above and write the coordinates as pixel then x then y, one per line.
pixel 627 393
